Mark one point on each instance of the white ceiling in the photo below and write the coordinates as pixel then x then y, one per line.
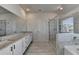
pixel 49 7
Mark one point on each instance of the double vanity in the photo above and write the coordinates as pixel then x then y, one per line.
pixel 67 45
pixel 68 48
pixel 15 44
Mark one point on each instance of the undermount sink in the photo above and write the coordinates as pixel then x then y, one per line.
pixel 4 43
pixel 14 39
pixel 11 39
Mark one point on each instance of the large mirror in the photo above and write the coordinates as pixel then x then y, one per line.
pixel 67 25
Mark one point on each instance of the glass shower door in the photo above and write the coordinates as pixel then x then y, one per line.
pixel 53 31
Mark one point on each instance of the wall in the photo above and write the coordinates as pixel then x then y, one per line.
pixel 21 24
pixel 38 24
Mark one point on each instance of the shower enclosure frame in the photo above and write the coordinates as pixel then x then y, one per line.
pixel 53 23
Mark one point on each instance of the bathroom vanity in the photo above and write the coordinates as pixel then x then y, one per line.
pixel 71 50
pixel 66 39
pixel 15 44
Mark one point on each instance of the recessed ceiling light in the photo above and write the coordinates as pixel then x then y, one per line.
pixel 27 9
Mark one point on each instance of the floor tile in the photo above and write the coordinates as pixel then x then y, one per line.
pixel 40 48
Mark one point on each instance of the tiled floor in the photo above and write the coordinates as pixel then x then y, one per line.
pixel 40 48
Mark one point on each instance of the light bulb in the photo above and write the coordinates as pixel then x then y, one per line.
pixel 59 8
pixel 27 9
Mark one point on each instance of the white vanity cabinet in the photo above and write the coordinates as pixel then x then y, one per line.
pixel 66 52
pixel 59 49
pixel 17 47
pixel 30 38
pixel 27 40
pixel 7 50
pixel 24 44
pixel 14 49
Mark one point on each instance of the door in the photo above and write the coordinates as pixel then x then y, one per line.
pixel 24 44
pixel 52 31
pixel 2 27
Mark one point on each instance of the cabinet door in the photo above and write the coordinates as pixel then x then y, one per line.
pixel 17 48
pixel 6 51
pixel 66 52
pixel 24 45
pixel 26 42
pixel 28 39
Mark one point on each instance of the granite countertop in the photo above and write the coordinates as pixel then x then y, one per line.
pixel 73 49
pixel 63 43
pixel 4 44
pixel 11 40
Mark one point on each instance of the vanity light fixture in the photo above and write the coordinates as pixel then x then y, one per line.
pixel 60 8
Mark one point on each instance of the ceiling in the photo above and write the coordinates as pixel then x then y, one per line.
pixel 49 7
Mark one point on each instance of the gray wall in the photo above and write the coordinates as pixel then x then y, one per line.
pixel 38 24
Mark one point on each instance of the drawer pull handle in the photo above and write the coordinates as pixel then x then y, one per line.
pixel 14 46
pixel 11 48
